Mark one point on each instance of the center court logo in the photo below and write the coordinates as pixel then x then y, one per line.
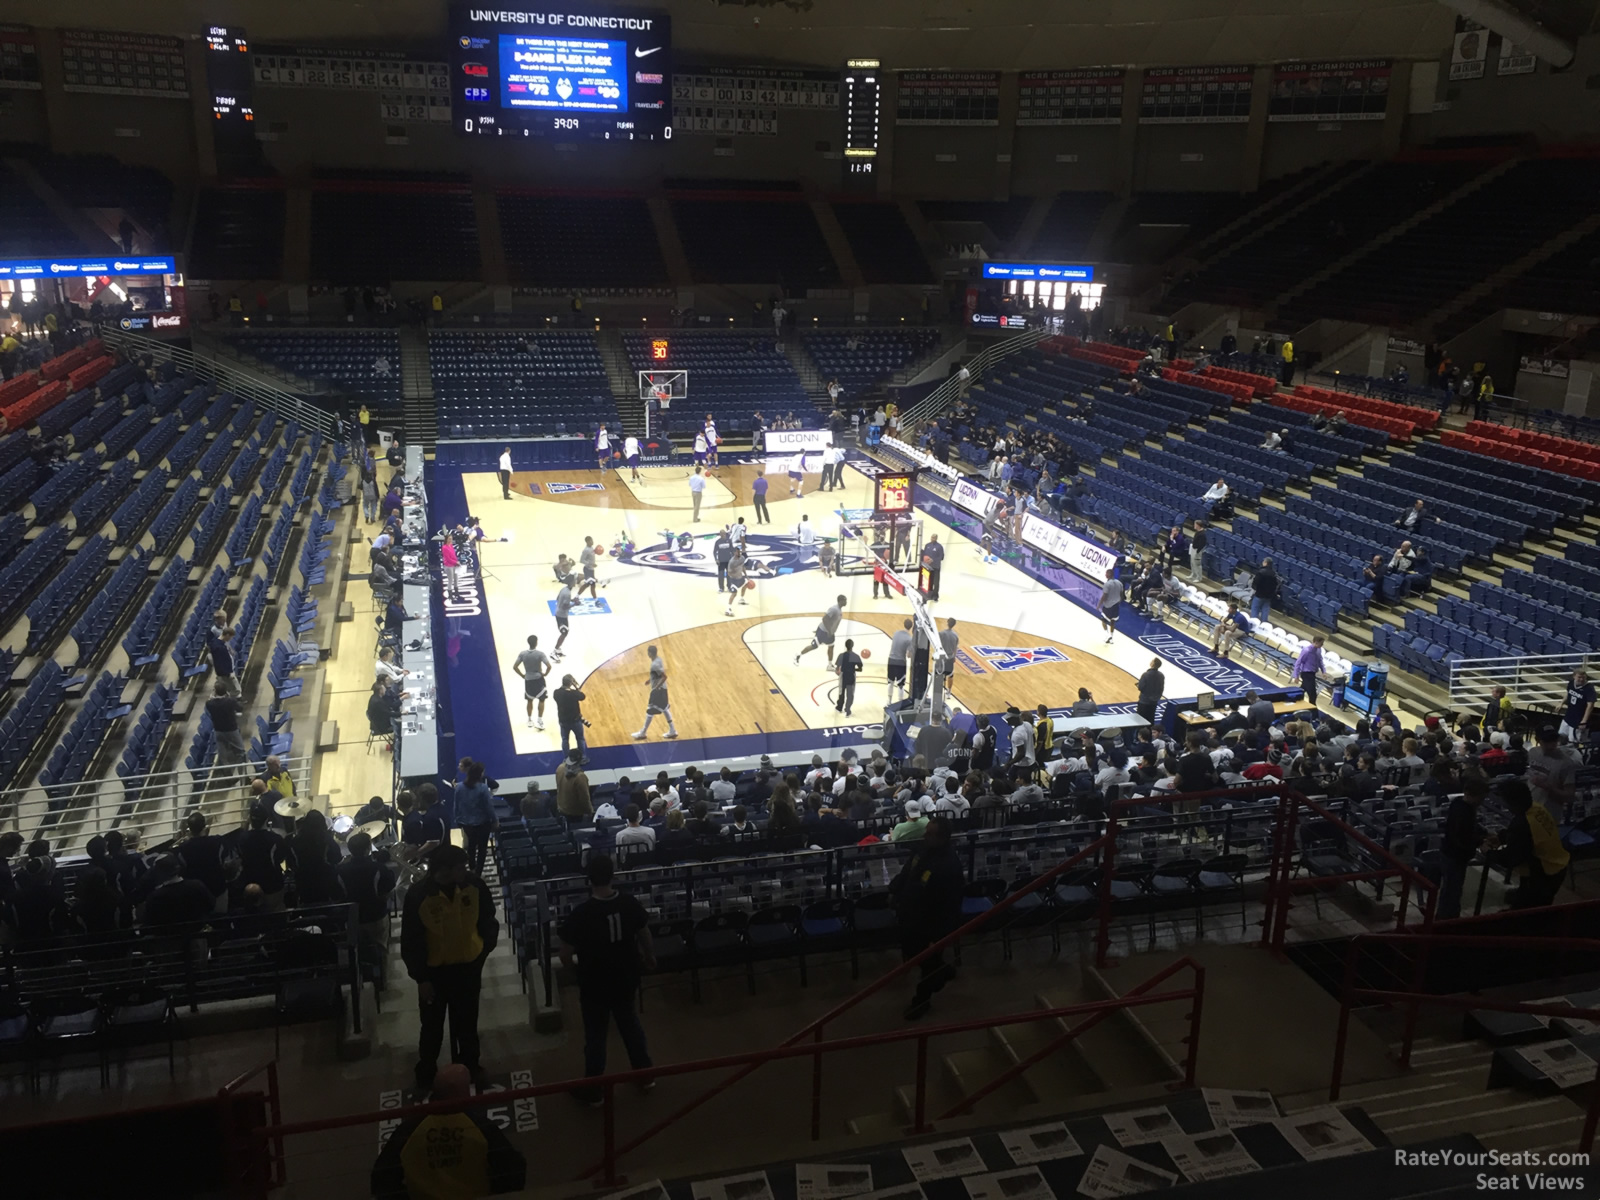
pixel 1012 658
pixel 778 555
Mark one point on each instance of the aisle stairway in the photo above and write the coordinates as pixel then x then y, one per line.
pixel 421 417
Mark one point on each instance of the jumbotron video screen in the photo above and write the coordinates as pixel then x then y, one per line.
pixel 562 71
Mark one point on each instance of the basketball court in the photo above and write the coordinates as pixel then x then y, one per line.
pixel 733 679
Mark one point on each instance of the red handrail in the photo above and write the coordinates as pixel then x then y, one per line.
pixel 277 1176
pixel 1413 999
pixel 1059 1043
pixel 1281 885
pixel 816 1026
pixel 608 1083
pixel 1103 934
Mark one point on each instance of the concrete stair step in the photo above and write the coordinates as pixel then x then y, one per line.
pixel 1492 1115
pixel 1115 1050
pixel 876 1125
pixel 1062 1077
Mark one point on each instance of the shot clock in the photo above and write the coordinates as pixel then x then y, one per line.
pixel 892 493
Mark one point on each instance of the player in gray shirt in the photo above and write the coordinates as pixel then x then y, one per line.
pixel 658 704
pixel 586 558
pixel 951 641
pixel 1110 605
pixel 563 614
pixel 899 652
pixel 533 664
pixel 825 631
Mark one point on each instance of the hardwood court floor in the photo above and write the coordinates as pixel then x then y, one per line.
pixel 1022 643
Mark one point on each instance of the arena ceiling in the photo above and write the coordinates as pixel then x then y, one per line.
pixel 952 34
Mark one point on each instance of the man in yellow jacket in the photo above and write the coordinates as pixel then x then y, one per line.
pixel 448 1156
pixel 1286 368
pixel 447 929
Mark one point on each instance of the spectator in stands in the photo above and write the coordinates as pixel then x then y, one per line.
pixel 1286 370
pixel 1374 573
pixel 914 827
pixel 1483 397
pixel 1531 848
pixel 1197 545
pixel 262 856
pixel 1217 496
pixel 475 815
pixel 1085 705
pixel 1411 519
pixel 219 645
pixel 1274 440
pixel 782 815
pixel 1579 708
pixel 1153 580
pixel 1264 590
pixel 927 896
pixel 572 789
pixel 1552 773
pixel 1403 558
pixel 176 900
pixel 1496 712
pixel 1233 626
pixel 1308 664
pixel 315 853
pixel 225 710
pixel 447 930
pixel 635 832
pixel 96 907
pixel 278 780
pixel 1337 423
pixel 738 826
pixel 425 826
pixel 367 883
pixel 202 855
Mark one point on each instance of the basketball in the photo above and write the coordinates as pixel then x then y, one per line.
pixel 866 654
pixel 750 585
pixel 600 551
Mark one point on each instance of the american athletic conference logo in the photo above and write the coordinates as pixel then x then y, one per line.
pixel 1012 658
pixel 690 554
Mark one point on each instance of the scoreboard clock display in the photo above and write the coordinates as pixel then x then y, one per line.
pixel 893 493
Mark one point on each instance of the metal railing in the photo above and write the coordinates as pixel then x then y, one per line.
pixel 285 404
pixel 936 401
pixel 156 804
pixel 1413 997
pixel 267 1140
pixel 1529 679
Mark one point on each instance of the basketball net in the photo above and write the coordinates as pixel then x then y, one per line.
pixel 663 396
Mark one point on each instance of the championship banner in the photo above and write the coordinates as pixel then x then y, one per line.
pixel 1068 548
pixel 122 64
pixel 1330 91
pixel 730 100
pixel 1514 60
pixel 947 98
pixel 19 59
pixel 1196 96
pixel 1085 97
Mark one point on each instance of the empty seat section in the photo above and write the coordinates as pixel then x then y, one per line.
pixel 580 241
pixel 772 238
pixel 519 384
pixel 238 233
pixel 884 247
pixel 365 232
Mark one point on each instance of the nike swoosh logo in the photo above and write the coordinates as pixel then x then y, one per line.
pixel 637 53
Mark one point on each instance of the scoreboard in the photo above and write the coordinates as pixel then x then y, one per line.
pixel 893 493
pixel 570 71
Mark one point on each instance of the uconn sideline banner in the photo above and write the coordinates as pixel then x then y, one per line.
pixel 974 499
pixel 797 441
pixel 1082 556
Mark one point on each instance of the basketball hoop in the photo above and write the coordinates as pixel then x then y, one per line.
pixel 663 396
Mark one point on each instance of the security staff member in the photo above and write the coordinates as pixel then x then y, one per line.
pixel 447 929
pixel 448 1154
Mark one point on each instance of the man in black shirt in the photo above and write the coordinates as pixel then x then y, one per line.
pixel 262 854
pixel 927 896
pixel 1373 573
pixel 1197 545
pixel 176 900
pixel 1195 770
pixel 201 855
pixel 367 883
pixel 383 710
pixel 569 715
pixel 847 666
pixel 610 935
pixel 225 711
